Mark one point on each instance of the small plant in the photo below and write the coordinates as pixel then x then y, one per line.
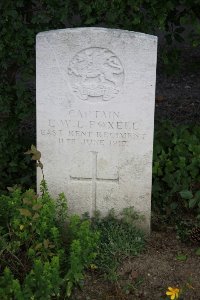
pixel 175 293
pixel 83 250
pixel 119 238
pixel 130 287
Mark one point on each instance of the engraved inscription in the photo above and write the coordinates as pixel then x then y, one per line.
pixel 93 128
pixel 94 179
pixel 96 74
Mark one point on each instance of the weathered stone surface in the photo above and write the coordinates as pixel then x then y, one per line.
pixel 95 117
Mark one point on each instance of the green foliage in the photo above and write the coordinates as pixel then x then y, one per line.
pixel 43 282
pixel 181 257
pixel 119 238
pixel 10 287
pixel 36 262
pixel 32 224
pixel 20 22
pixel 193 200
pixel 176 170
pixel 82 250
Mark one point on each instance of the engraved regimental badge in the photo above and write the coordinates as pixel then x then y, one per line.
pixel 96 74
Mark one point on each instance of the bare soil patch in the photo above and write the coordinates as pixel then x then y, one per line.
pixel 178 95
pixel 150 274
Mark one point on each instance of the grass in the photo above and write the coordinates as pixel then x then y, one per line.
pixel 119 239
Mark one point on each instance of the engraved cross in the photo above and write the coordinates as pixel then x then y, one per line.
pixel 94 179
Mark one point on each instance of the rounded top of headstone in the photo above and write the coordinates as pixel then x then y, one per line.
pixel 102 29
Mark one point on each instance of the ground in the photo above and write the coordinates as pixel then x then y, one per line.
pixel 148 276
pixel 178 95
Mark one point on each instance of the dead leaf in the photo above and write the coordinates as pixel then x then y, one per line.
pixel 134 274
pixel 38 246
pixel 40 165
pixel 35 216
pixel 46 243
pixel 160 98
pixel 25 212
pixel 35 152
pixel 36 156
pixel 28 152
pixel 27 201
pixel 33 149
pixel 37 206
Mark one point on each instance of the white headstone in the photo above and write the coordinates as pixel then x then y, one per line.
pixel 95 117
